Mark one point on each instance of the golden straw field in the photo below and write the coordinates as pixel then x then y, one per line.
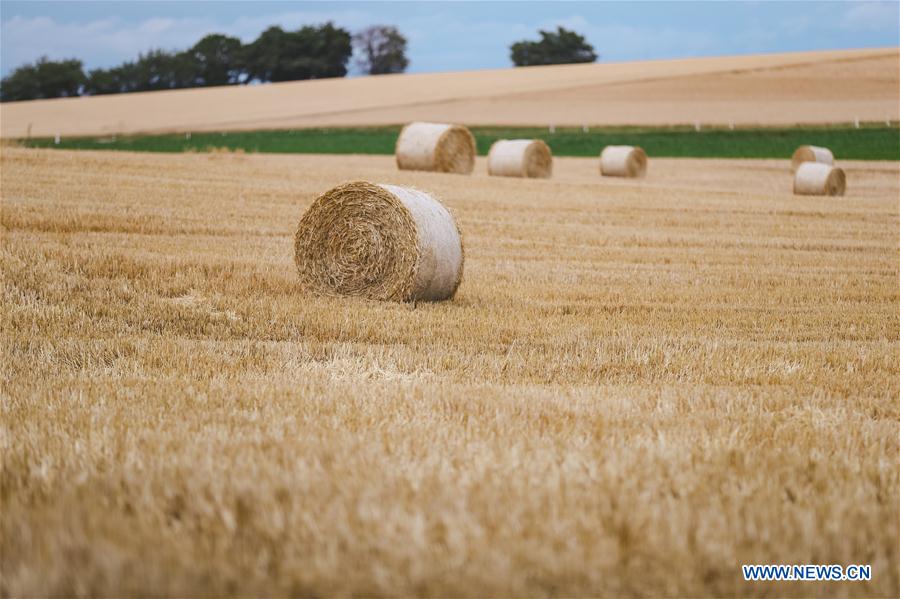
pixel 640 385
pixel 823 87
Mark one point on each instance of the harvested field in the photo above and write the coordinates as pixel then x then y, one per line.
pixel 639 386
pixel 768 89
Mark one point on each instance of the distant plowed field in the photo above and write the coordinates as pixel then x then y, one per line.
pixel 775 89
pixel 640 386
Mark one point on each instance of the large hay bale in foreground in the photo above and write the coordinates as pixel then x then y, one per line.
pixel 811 154
pixel 520 158
pixel 381 242
pixel 436 147
pixel 815 178
pixel 623 161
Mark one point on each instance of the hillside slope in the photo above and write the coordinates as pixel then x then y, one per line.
pixel 803 87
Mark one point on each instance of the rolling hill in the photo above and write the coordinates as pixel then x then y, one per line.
pixel 774 89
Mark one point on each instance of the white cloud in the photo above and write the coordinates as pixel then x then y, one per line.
pixel 872 16
pixel 448 38
pixel 247 28
pixel 440 40
pixel 616 42
pixel 795 26
pixel 99 43
pixel 110 41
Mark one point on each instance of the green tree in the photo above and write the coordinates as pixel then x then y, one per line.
pixel 116 80
pixel 308 53
pixel 43 79
pixel 276 55
pixel 154 70
pixel 104 81
pixel 555 47
pixel 328 49
pixel 158 70
pixel 216 60
pixel 261 57
pixel 382 50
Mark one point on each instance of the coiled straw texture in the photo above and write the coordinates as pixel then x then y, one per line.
pixel 811 154
pixel 381 242
pixel 520 158
pixel 815 178
pixel 623 161
pixel 436 147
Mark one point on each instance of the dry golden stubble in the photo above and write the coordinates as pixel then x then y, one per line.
pixel 641 387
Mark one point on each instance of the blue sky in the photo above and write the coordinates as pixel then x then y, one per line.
pixel 448 36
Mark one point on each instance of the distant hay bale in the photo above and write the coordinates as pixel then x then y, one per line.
pixel 381 242
pixel 815 178
pixel 623 161
pixel 436 147
pixel 520 158
pixel 811 154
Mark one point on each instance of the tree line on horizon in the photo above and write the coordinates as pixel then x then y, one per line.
pixel 310 52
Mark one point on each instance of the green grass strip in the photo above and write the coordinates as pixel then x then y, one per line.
pixel 869 142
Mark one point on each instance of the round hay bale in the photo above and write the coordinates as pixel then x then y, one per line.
pixel 520 158
pixel 436 147
pixel 623 161
pixel 811 154
pixel 817 179
pixel 381 242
